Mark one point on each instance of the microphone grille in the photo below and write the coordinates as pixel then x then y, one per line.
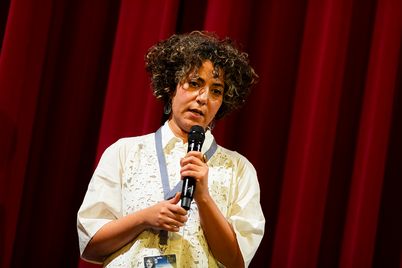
pixel 197 134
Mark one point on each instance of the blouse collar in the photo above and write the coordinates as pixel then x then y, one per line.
pixel 168 137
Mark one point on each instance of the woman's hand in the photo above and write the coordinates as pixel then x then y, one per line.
pixel 166 215
pixel 193 165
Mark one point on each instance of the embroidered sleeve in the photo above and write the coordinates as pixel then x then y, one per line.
pixel 102 202
pixel 246 215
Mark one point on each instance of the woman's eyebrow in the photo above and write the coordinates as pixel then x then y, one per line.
pixel 218 84
pixel 197 78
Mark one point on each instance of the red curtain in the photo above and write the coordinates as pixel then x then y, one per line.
pixel 322 127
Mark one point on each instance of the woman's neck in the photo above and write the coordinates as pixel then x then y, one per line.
pixel 177 131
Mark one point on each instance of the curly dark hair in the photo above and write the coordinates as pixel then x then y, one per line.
pixel 171 61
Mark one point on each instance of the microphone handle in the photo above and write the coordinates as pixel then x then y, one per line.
pixel 188 188
pixel 187 192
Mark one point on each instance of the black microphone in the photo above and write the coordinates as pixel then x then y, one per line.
pixel 196 138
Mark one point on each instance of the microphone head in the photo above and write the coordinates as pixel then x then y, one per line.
pixel 196 134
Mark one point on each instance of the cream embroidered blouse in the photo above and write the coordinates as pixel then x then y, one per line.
pixel 128 179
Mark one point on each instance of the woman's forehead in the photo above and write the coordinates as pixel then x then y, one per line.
pixel 206 70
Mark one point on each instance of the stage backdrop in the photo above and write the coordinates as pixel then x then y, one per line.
pixel 323 127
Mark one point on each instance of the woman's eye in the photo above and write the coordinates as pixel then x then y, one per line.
pixel 217 92
pixel 193 84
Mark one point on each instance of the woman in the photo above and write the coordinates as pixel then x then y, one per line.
pixel 149 262
pixel 131 212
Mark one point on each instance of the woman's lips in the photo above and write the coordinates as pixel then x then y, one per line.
pixel 199 112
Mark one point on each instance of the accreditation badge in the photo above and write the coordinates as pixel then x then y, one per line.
pixel 165 261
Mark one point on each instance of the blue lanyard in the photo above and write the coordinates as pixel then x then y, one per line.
pixel 169 193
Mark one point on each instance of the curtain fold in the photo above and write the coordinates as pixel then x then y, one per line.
pixel 49 59
pixel 322 127
pixel 21 61
pixel 371 152
pixel 312 134
pixel 140 26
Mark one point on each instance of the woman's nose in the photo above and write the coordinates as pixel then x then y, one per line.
pixel 203 95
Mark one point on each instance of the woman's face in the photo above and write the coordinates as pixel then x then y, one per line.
pixel 149 263
pixel 197 99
